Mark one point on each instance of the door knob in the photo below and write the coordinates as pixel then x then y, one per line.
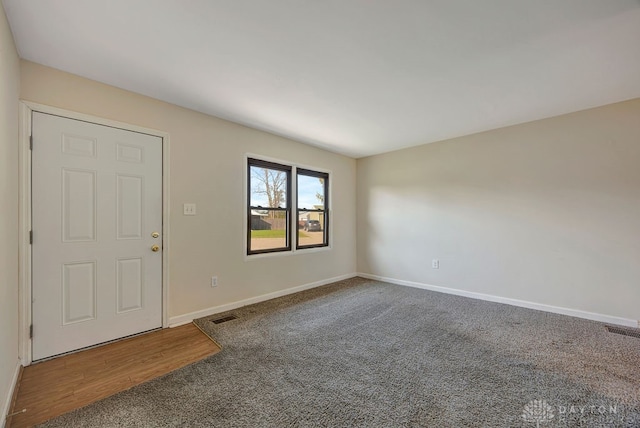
pixel 155 248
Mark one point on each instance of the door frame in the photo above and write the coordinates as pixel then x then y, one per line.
pixel 24 248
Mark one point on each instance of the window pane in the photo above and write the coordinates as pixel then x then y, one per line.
pixel 312 228
pixel 310 192
pixel 268 187
pixel 268 229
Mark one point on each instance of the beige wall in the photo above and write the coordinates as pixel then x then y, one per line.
pixel 207 168
pixel 545 212
pixel 9 89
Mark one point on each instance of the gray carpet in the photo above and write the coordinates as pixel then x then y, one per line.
pixel 370 354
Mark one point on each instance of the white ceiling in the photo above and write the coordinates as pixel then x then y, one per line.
pixel 357 77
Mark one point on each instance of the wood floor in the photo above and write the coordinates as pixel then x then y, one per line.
pixel 51 388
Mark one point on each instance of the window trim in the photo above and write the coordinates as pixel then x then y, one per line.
pixel 292 250
pixel 287 169
pixel 325 211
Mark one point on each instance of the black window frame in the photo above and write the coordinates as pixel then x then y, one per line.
pixel 288 169
pixel 324 211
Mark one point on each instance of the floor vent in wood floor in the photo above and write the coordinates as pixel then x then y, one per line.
pixel 225 319
pixel 633 332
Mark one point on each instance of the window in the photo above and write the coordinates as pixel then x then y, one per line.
pixel 269 211
pixel 270 222
pixel 313 212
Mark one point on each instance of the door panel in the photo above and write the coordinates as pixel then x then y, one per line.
pixel 129 200
pixel 78 205
pixel 97 199
pixel 78 292
pixel 130 284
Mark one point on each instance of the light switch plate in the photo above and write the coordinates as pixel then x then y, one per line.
pixel 189 209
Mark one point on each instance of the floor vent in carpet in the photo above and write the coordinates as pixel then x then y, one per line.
pixel 225 319
pixel 634 332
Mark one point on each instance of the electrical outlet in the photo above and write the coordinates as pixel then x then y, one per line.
pixel 435 264
pixel 214 281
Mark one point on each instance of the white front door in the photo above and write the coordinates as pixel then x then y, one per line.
pixel 97 215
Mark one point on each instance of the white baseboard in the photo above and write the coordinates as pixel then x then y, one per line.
pixel 187 318
pixel 608 319
pixel 7 403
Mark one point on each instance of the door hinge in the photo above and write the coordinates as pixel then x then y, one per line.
pixel 30 142
pixel 31 237
pixel 31 331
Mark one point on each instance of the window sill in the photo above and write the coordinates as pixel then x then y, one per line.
pixel 294 252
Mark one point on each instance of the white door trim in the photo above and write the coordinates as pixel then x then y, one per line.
pixel 24 261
